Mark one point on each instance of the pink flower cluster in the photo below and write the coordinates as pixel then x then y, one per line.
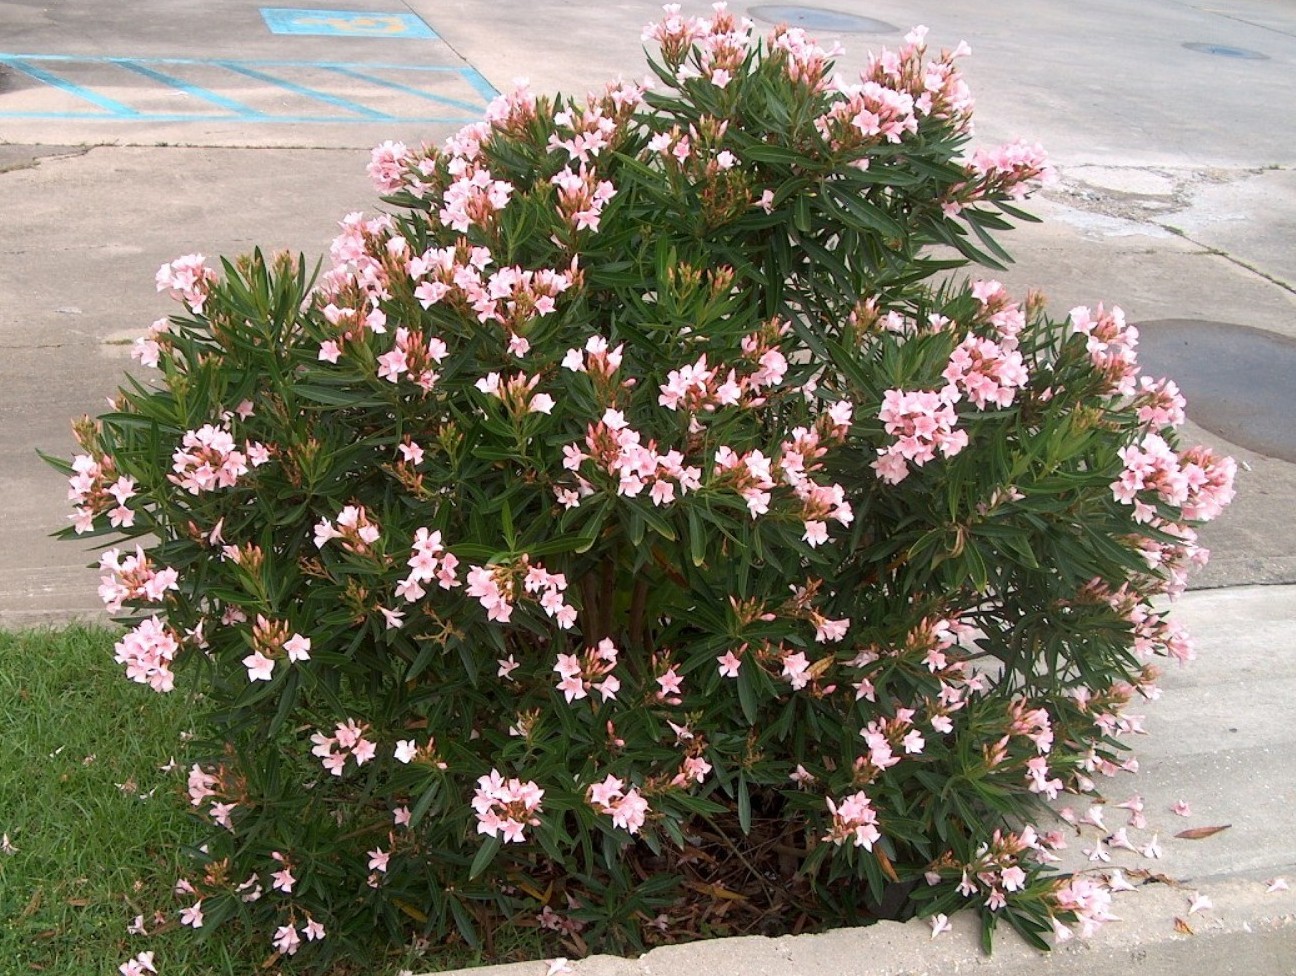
pixel 984 371
pixel 270 640
pixel 999 311
pixel 582 197
pixel 1159 403
pixel 801 57
pixel 223 790
pixel 617 449
pixel 517 393
pixel 936 87
pixel 577 677
pixel 474 198
pixel 95 487
pixel 1200 483
pixel 387 164
pixel 675 34
pixel 1110 343
pixel 208 458
pixel 1010 168
pixel 854 819
pixel 722 45
pixel 627 808
pixel 189 279
pixel 147 652
pixel 883 736
pixel 413 355
pixel 923 423
pixel 495 587
pixel 505 808
pixel 591 133
pixel 354 530
pixel 866 115
pixel 348 739
pixel 1210 483
pixel 133 578
pixel 429 562
pixel 147 349
pixel 287 941
pixel 996 871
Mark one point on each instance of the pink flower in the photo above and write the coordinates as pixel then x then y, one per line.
pixel 378 859
pixel 1181 808
pixel 283 880
pixel 796 668
pixel 313 930
pixel 298 648
pixel 259 667
pixel 192 915
pixel 286 940
pixel 854 820
pixel 505 807
pixel 141 964
pixel 671 684
pixel 729 664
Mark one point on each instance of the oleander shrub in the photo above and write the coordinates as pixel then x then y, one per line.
pixel 643 530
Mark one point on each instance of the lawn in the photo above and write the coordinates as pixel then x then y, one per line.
pixel 96 821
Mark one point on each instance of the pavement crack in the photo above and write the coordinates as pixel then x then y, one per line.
pixel 37 158
pixel 1243 20
pixel 1216 252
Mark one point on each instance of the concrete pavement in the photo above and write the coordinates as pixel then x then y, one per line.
pixel 1177 200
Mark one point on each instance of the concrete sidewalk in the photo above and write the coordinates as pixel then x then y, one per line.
pixel 1177 201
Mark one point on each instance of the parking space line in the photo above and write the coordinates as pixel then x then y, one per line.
pixel 109 105
pixel 417 92
pixel 460 110
pixel 238 108
pixel 296 89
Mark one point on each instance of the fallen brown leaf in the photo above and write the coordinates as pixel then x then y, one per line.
pixel 33 904
pixel 1182 927
pixel 1198 833
pixel 884 863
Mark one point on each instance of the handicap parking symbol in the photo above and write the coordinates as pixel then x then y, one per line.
pixel 345 23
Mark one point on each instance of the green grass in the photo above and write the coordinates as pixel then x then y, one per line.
pixel 89 854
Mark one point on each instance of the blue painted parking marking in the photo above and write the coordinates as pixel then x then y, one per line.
pixel 461 94
pixel 343 103
pixel 345 23
pixel 109 105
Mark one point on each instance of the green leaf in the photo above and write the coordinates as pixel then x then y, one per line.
pixel 485 854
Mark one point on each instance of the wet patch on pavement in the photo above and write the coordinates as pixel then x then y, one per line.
pixel 1240 382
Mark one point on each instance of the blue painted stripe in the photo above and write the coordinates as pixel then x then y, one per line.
pixel 112 109
pixel 417 92
pixel 238 108
pixel 341 103
pixel 109 105
pixel 259 63
pixel 285 119
pixel 483 87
